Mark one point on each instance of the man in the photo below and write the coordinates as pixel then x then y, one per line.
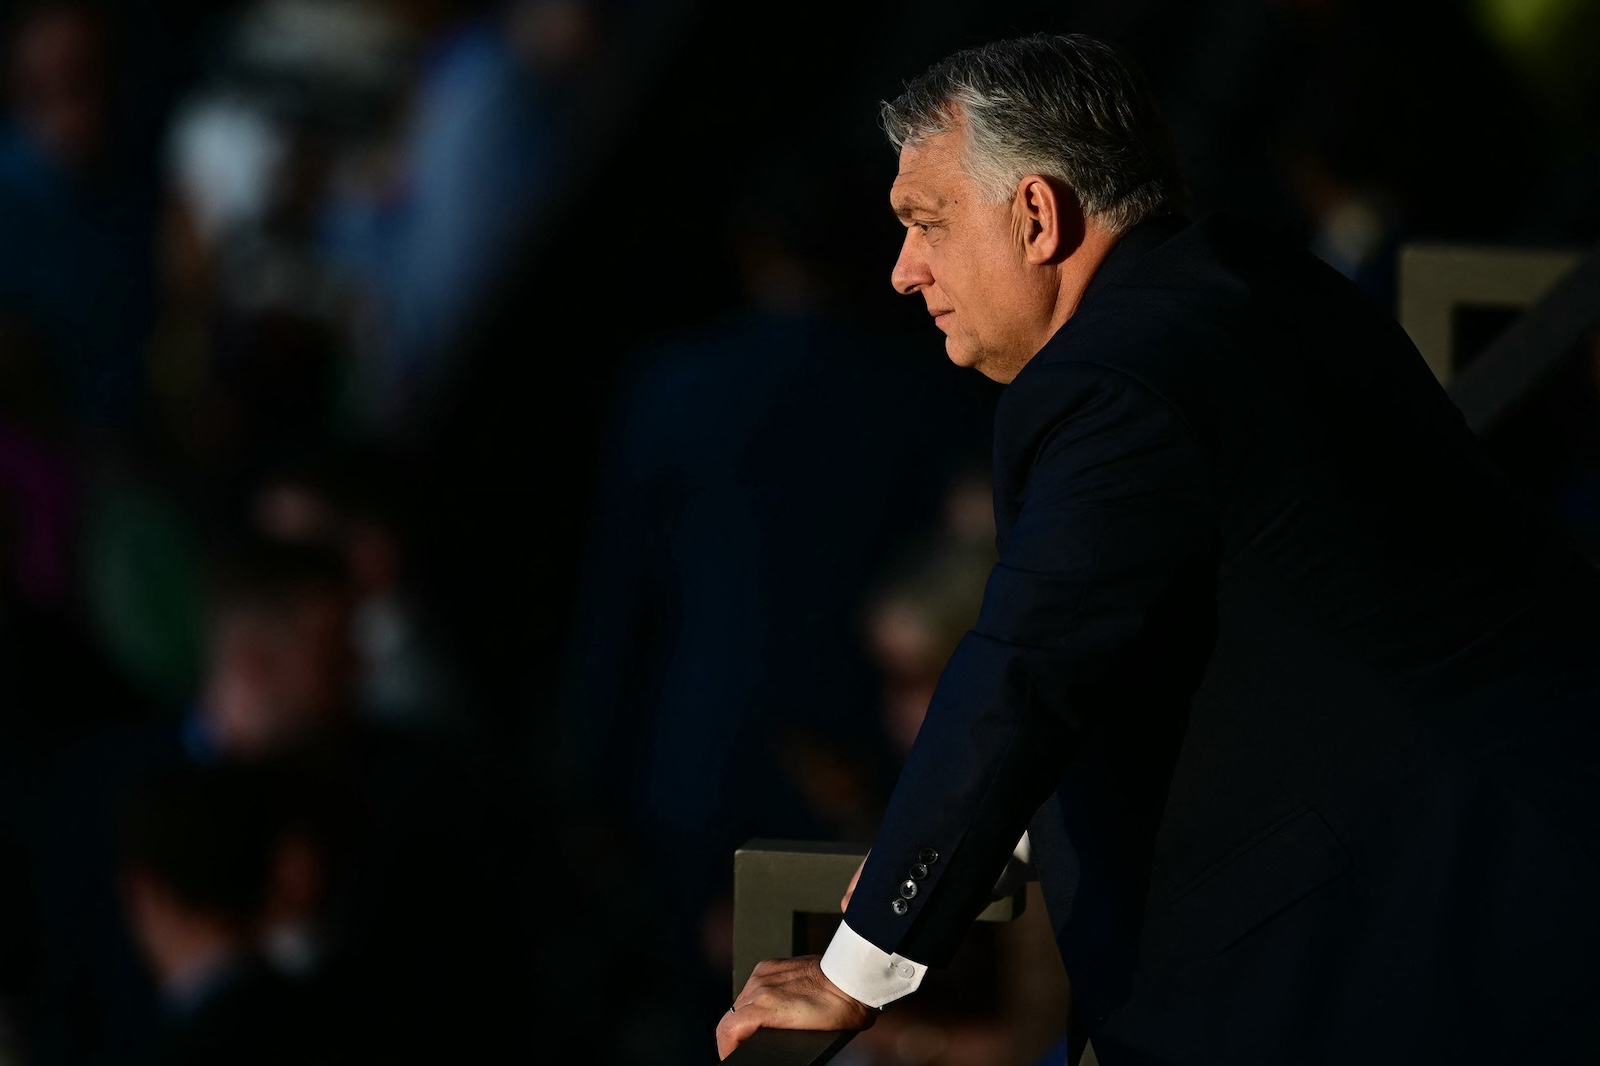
pixel 79 195
pixel 1288 702
pixel 415 931
pixel 277 679
pixel 197 851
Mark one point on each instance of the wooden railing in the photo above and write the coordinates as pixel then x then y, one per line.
pixel 1550 299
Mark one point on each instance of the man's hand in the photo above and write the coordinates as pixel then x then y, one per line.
pixel 790 994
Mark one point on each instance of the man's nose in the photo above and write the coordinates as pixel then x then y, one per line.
pixel 910 273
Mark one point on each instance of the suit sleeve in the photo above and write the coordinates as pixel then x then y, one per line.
pixel 1116 518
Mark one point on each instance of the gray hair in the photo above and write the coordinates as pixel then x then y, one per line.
pixel 1066 106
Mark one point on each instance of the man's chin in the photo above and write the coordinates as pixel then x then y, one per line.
pixel 991 363
pixel 959 354
pixel 967 359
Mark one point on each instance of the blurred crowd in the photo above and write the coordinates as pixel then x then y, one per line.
pixel 250 810
pixel 463 472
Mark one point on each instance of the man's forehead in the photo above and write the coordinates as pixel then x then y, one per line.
pixel 930 173
pixel 909 196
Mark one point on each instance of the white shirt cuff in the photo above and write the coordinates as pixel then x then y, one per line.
pixel 866 972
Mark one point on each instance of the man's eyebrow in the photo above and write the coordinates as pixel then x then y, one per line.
pixel 907 206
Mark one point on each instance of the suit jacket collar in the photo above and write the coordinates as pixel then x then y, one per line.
pixel 1130 248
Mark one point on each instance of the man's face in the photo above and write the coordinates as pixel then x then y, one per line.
pixel 283 676
pixel 59 74
pixel 966 258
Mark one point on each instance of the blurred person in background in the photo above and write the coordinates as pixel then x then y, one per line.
pixel 243 358
pixel 277 671
pixel 759 467
pixel 911 613
pixel 423 226
pixel 353 499
pixel 78 205
pixel 57 684
pixel 421 937
pixel 197 851
pixel 79 199
pixel 250 359
pixel 1377 137
pixel 924 601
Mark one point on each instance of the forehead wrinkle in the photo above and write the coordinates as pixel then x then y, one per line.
pixel 908 201
pixel 931 173
pixel 906 207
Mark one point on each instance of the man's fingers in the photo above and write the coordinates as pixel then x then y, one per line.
pixel 733 1030
pixel 789 994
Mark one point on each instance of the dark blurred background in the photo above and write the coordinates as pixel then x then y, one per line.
pixel 488 427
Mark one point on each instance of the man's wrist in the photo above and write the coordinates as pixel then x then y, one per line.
pixel 866 972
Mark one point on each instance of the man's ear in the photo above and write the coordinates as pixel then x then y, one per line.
pixel 1049 219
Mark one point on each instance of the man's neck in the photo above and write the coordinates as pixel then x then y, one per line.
pixel 1079 269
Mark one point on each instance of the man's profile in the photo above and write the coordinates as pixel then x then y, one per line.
pixel 1288 702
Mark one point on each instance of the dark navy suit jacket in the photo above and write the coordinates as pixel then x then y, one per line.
pixel 1296 700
